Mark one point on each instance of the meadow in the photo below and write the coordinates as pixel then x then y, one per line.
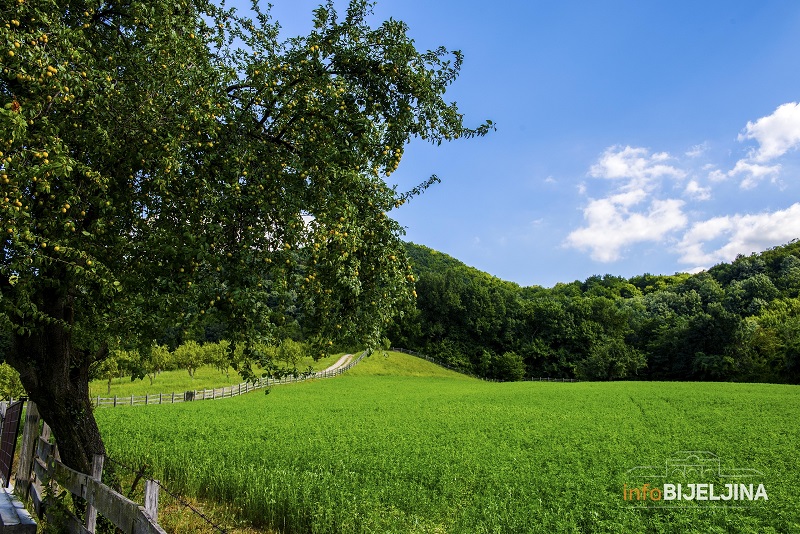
pixel 179 380
pixel 400 445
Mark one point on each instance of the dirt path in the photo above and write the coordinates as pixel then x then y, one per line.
pixel 341 362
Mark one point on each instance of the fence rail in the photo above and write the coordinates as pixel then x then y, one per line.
pixel 219 393
pixel 40 472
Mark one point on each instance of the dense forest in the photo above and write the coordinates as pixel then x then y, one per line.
pixel 738 321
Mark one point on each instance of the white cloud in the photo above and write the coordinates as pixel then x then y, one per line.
pixel 550 180
pixel 695 191
pixel 743 234
pixel 611 225
pixel 697 150
pixel 633 164
pixel 717 175
pixel 776 134
pixel 633 208
pixel 629 213
pixel 753 173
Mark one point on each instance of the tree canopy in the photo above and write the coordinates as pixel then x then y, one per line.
pixel 737 321
pixel 166 164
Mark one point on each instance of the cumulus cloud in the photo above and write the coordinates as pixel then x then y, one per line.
pixel 633 164
pixel 697 192
pixel 776 134
pixel 717 175
pixel 741 234
pixel 631 212
pixel 636 208
pixel 753 173
pixel 612 224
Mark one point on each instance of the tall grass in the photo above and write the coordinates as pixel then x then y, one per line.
pixel 422 450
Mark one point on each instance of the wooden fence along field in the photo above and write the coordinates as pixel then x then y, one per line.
pixel 219 393
pixel 40 471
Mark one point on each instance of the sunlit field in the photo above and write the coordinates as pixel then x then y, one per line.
pixel 400 445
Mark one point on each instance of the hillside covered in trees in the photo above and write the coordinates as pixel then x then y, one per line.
pixel 738 321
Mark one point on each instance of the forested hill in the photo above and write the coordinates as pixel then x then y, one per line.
pixel 738 321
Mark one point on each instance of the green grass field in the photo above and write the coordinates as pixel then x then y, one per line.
pixel 400 445
pixel 206 377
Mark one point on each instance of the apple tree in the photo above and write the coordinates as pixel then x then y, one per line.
pixel 168 163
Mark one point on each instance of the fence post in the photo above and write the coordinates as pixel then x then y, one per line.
pixel 151 499
pixel 97 475
pixel 145 399
pixel 29 434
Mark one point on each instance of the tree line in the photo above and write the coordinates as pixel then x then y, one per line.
pixel 737 321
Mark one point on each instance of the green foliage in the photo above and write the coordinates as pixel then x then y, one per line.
pixel 190 355
pixel 735 322
pixel 610 359
pixel 10 385
pixel 172 165
pixel 291 353
pixel 218 355
pixel 107 369
pixel 375 451
pixel 508 367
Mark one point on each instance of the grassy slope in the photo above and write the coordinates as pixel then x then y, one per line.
pixel 422 450
pixel 398 364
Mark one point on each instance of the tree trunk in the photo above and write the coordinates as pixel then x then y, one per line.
pixel 56 376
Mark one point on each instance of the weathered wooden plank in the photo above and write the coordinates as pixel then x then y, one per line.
pixel 37 496
pixel 29 433
pixel 40 470
pixel 70 479
pixel 96 475
pixel 74 526
pixel 151 498
pixel 43 448
pixel 144 525
pixel 123 512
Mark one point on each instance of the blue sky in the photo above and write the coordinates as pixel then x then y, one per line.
pixel 633 136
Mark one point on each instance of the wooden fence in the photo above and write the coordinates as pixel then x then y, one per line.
pixel 40 472
pixel 219 393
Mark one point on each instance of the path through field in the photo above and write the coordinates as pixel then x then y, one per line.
pixel 341 362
